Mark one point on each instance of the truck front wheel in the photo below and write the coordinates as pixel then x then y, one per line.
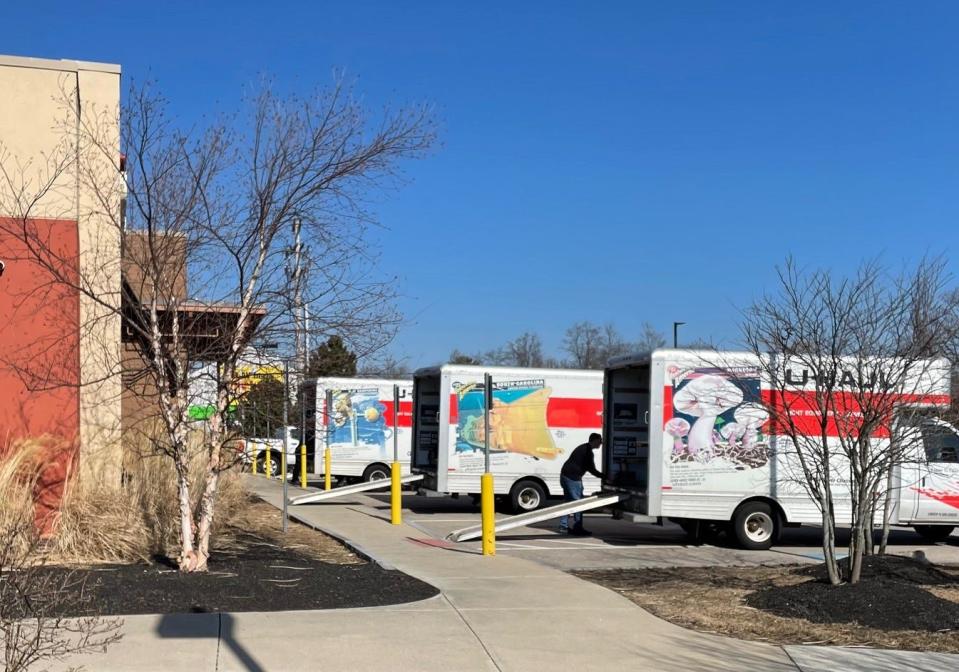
pixel 274 463
pixel 934 532
pixel 755 526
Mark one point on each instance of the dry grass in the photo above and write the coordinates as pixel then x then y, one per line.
pixel 17 480
pixel 264 521
pixel 712 600
pixel 99 523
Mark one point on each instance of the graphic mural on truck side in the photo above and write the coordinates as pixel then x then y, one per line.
pixel 518 422
pixel 358 422
pixel 717 424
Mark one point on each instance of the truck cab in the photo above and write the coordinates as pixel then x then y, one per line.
pixel 928 478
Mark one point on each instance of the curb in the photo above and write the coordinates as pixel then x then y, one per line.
pixel 352 545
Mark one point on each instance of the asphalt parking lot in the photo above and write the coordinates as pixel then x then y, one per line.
pixel 617 543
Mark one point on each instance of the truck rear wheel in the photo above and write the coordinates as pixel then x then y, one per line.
pixel 376 472
pixel 756 526
pixel 527 496
pixel 934 532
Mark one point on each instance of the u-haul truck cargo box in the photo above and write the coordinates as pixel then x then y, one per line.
pixel 538 417
pixel 689 438
pixel 359 426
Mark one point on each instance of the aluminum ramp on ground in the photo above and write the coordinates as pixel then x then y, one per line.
pixel 352 489
pixel 538 516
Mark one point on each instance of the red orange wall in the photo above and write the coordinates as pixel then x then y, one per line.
pixel 40 353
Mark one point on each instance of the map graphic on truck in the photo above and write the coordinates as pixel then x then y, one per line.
pixel 518 421
pixel 358 419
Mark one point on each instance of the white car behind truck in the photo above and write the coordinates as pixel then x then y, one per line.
pixel 268 451
pixel 538 417
pixel 359 426
pixel 689 440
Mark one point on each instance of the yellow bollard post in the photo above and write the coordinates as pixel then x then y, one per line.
pixel 327 465
pixel 283 461
pixel 396 496
pixel 268 464
pixel 488 514
pixel 253 448
pixel 302 465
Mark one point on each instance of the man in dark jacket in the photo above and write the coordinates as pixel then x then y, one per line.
pixel 571 478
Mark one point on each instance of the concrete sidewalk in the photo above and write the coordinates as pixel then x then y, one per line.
pixel 502 613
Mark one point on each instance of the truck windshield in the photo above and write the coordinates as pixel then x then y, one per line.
pixel 940 442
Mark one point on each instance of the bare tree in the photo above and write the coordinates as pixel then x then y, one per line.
pixel 386 365
pixel 612 344
pixel 849 361
pixel 649 339
pixel 525 350
pixel 700 344
pixel 590 346
pixel 584 345
pixel 457 357
pixel 215 210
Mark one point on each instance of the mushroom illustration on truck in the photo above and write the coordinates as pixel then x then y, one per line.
pixel 752 417
pixel 677 428
pixel 732 432
pixel 705 398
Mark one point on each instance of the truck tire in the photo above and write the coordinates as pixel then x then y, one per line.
pixel 376 472
pixel 527 496
pixel 934 532
pixel 274 463
pixel 755 526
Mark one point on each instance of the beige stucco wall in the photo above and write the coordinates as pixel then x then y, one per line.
pixel 42 136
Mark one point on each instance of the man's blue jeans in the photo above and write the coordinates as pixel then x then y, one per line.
pixel 572 490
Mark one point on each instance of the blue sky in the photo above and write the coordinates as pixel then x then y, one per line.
pixel 621 162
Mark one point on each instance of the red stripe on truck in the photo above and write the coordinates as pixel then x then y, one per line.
pixel 406 413
pixel 571 412
pixel 801 409
pixel 844 413
pixel 944 496
pixel 574 413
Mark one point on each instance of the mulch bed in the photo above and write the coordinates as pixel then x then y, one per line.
pixel 892 595
pixel 260 570
pixel 901 603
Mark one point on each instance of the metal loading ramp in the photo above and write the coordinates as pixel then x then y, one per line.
pixel 351 489
pixel 538 516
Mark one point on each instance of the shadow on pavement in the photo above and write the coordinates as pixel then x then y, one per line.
pixel 197 626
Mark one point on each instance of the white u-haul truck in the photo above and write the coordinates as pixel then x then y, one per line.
pixel 538 417
pixel 359 426
pixel 688 439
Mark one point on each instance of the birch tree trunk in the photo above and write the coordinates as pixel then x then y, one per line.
pixel 886 513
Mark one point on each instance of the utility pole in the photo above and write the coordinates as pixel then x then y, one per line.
pixel 301 328
pixel 286 441
pixel 295 277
